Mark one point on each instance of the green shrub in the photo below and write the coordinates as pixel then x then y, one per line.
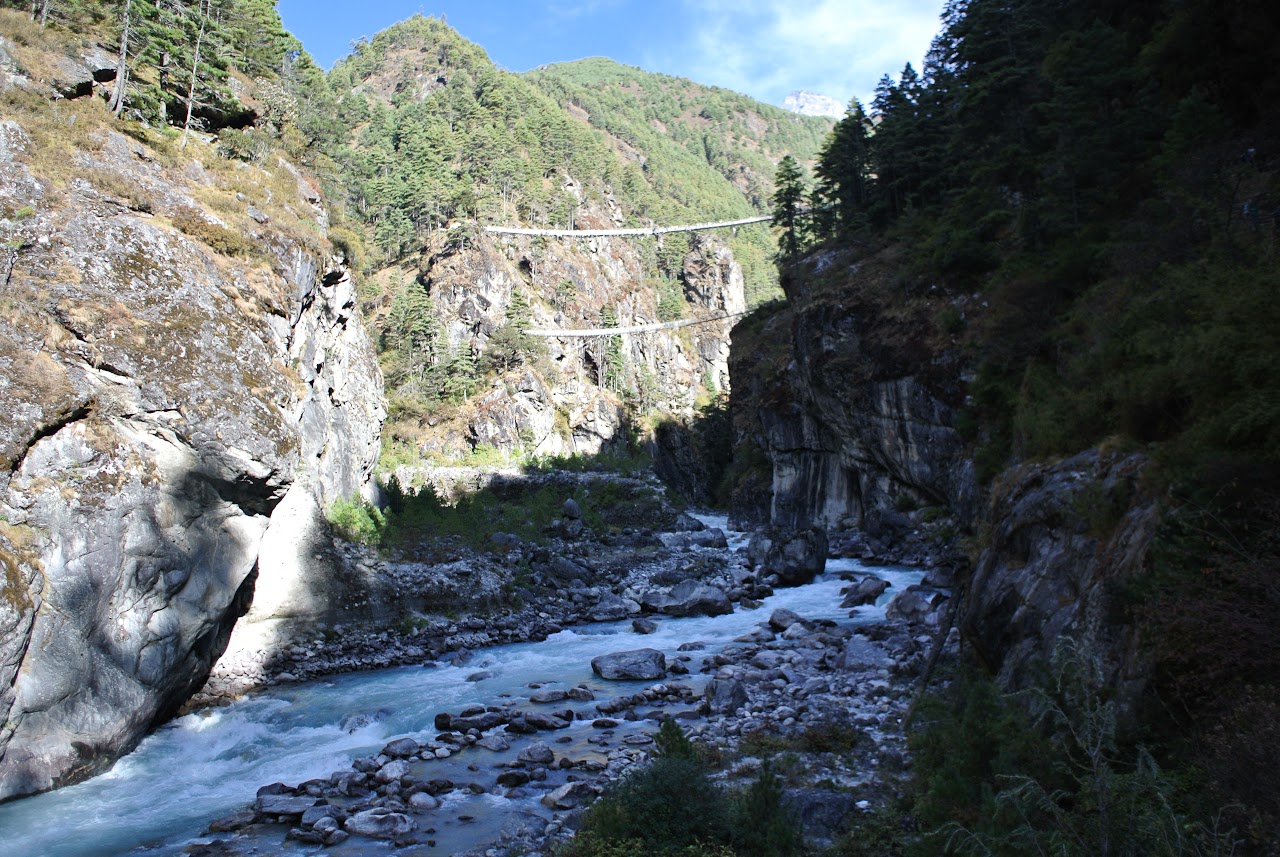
pixel 874 834
pixel 672 743
pixel 999 782
pixel 762 826
pixel 663 808
pixel 356 520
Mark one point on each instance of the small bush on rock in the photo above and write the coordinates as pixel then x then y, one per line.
pixel 357 520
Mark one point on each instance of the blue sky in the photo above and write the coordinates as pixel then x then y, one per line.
pixel 764 48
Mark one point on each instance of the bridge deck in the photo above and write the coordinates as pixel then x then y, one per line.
pixel 635 328
pixel 617 233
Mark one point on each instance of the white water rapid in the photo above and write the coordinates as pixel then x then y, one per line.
pixel 201 766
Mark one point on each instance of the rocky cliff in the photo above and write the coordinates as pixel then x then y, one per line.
pixel 186 384
pixel 1065 538
pixel 847 404
pixel 852 391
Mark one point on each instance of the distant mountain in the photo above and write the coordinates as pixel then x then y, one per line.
pixel 812 104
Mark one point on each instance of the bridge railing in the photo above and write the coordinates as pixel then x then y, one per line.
pixel 618 233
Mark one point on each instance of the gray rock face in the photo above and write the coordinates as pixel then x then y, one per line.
pixel 1063 535
pixel 861 417
pixel 635 664
pixel 562 408
pixel 163 403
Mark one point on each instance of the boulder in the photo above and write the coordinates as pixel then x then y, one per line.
pixel 548 696
pixel 392 772
pixel 283 804
pixel 565 569
pixel 233 822
pixel 709 538
pixel 537 753
pixel 797 557
pixel 686 523
pixel 611 607
pixel 865 591
pixel 401 748
pixel 568 796
pixel 634 664
pixel 644 626
pixel 513 779
pixel 496 743
pixel 483 721
pixel 725 696
pixel 538 720
pixel 917 605
pixel 861 653
pixel 421 802
pixel 571 510
pixel 782 619
pixel 379 823
pixel 694 598
pixel 315 814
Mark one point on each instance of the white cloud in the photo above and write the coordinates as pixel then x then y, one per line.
pixel 768 48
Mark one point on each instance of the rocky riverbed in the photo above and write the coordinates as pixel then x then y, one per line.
pixel 826 692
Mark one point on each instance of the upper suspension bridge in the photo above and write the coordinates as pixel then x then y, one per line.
pixel 622 233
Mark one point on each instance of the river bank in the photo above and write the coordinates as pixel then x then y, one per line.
pixel 787 688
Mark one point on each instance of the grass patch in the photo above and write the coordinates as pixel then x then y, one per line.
pixel 218 238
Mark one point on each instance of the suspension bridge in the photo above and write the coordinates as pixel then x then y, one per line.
pixel 589 332
pixel 623 233
pixel 593 332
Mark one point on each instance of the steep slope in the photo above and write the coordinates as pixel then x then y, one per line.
pixel 181 361
pixel 443 138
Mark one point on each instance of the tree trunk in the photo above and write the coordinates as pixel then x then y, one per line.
pixel 195 68
pixel 44 13
pixel 122 68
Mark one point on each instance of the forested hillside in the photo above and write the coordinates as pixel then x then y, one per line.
pixel 704 153
pixel 1106 177
pixel 1080 202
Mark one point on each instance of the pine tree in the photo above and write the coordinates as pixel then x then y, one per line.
pixel 788 194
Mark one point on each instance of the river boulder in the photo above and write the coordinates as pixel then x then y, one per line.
pixel 637 664
pixel 865 591
pixel 917 605
pixel 379 823
pixel 694 598
pixel 725 696
pixel 708 538
pixel 611 607
pixel 537 753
